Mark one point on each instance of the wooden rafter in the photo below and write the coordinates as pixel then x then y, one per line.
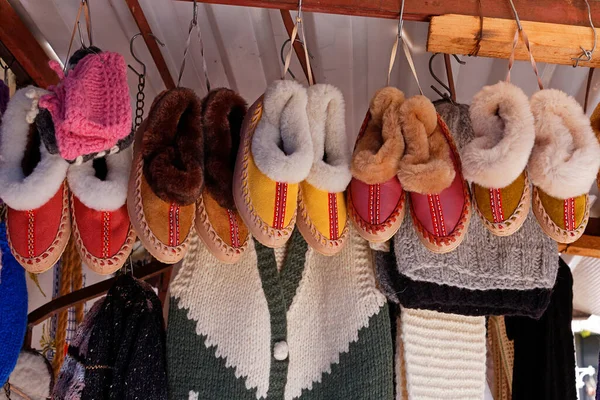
pixel 23 46
pixel 554 11
pixel 144 27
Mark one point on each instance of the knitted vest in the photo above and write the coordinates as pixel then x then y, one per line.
pixel 279 325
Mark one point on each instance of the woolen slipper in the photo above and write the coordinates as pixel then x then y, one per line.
pixel 276 154
pixel 167 175
pixel 563 165
pixel 218 223
pixel 496 159
pixel 323 215
pixel 104 236
pixel 376 199
pixel 430 171
pixel 32 184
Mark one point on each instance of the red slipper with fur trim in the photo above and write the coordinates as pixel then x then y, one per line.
pixel 430 171
pixel 218 223
pixel 32 186
pixel 167 176
pixel 104 236
pixel 376 199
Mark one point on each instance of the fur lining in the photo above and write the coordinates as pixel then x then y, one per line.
pixel 327 121
pixel 18 191
pixel 223 112
pixel 378 151
pixel 173 147
pixel 566 155
pixel 426 167
pixel 282 147
pixel 504 136
pixel 102 195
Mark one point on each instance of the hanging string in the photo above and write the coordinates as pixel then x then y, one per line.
pixel 194 25
pixel 83 6
pixel 407 53
pixel 288 58
pixel 511 60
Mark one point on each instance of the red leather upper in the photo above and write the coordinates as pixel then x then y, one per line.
pixel 103 233
pixel 375 203
pixel 451 202
pixel 32 232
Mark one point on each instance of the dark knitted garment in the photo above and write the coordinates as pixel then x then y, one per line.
pixel 126 356
pixel 544 351
pixel 409 293
pixel 4 97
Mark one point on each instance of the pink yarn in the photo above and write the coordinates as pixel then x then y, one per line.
pixel 90 107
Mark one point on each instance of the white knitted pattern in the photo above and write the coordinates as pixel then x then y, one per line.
pixel 586 286
pixel 335 299
pixel 445 355
pixel 193 395
pixel 223 296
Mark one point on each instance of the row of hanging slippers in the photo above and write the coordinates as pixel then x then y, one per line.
pixel 228 172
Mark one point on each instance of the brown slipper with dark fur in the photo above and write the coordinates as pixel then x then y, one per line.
pixel 167 175
pixel 217 221
pixel 430 171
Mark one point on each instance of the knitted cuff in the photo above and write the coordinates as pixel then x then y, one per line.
pixel 444 355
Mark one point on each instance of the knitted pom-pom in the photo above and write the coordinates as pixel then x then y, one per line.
pixel 13 308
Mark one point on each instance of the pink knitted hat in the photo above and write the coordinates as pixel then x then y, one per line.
pixel 90 107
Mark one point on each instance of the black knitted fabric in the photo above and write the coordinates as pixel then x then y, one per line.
pixel 400 289
pixel 126 357
pixel 544 366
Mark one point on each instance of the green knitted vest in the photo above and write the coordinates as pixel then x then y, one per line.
pixel 287 326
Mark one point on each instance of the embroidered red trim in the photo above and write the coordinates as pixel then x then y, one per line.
pixel 105 234
pixel 569 214
pixel 174 225
pixel 496 205
pixel 31 233
pixel 334 232
pixel 280 201
pixel 234 229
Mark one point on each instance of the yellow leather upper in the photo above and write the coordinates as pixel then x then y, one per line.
pixel 555 208
pixel 316 202
pixel 511 197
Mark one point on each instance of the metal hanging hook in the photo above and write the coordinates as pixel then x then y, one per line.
pixel 401 21
pixel 586 55
pixel 135 57
pixel 514 10
pixel 281 54
pixel 448 95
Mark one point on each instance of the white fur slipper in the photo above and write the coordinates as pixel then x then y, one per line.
pixel 276 154
pixel 32 186
pixel 563 164
pixel 103 233
pixel 495 160
pixel 322 204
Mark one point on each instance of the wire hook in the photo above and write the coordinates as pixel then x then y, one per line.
pixel 448 95
pixel 586 55
pixel 512 5
pixel 401 21
pixel 281 54
pixel 135 57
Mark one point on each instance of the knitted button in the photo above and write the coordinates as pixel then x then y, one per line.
pixel 280 351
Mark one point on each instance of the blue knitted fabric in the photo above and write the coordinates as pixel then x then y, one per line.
pixel 13 308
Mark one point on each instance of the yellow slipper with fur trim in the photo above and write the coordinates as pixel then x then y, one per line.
pixel 276 154
pixel 495 160
pixel 563 165
pixel 322 204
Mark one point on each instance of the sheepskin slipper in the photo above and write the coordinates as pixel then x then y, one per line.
pixel 32 377
pixel 430 171
pixel 218 223
pixel 276 154
pixel 167 174
pixel 103 234
pixel 563 165
pixel 323 215
pixel 376 200
pixel 595 122
pixel 32 184
pixel 495 160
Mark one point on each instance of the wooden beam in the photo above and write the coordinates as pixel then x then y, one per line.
pixel 550 43
pixel 587 245
pixel 19 41
pixel 144 27
pixel 289 27
pixel 555 11
pixel 22 77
